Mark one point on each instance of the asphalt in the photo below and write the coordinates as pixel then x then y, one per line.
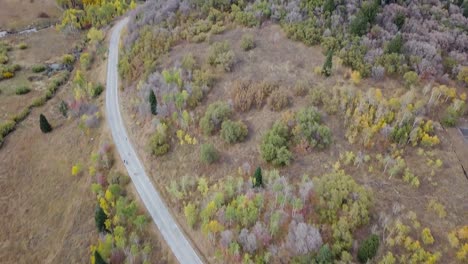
pixel 175 239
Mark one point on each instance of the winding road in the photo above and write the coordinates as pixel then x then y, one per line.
pixel 175 239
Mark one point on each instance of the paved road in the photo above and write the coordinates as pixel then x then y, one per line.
pixel 176 240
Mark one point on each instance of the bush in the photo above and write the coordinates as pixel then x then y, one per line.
pixel 327 66
pixel 188 62
pixel 301 88
pixel 395 45
pixel 278 100
pixel 85 60
pixel 68 59
pixel 208 153
pixel 158 141
pixel 22 90
pixel 233 132
pixel 307 32
pixel 463 74
pixel 356 77
pixel 368 248
pixel 22 46
pixel 411 78
pixel 244 94
pixel 6 127
pixel 221 55
pixel 44 124
pixel 308 127
pixel 247 42
pixel 274 146
pixel 97 90
pixel 216 113
pixel 399 20
pixel 38 68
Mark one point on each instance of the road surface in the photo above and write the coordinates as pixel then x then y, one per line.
pixel 166 224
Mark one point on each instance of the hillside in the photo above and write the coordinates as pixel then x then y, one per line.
pixel 304 131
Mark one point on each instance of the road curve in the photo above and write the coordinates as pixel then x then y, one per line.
pixel 166 224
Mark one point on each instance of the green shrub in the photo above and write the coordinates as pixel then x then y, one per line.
pixel 309 128
pixel 274 146
pixel 233 132
pixel 278 100
pixel 208 153
pixel 85 60
pixel 368 248
pixel 327 66
pixel 68 59
pixel 324 255
pixel 221 55
pixel 188 62
pixel 6 127
pixel 399 20
pixel 158 141
pixel 21 115
pixel 246 18
pixel 301 88
pixel 44 124
pixel 63 108
pixel 38 68
pixel 400 134
pixel 22 46
pixel 307 32
pixel 247 42
pixel 395 45
pixel 97 90
pixel 353 56
pixel 411 78
pixel 216 113
pixel 22 90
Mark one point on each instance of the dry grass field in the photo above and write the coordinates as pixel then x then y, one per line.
pixel 19 14
pixel 280 60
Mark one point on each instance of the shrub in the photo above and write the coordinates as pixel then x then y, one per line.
pixel 411 78
pixel 327 66
pixel 216 113
pixel 274 146
pixel 278 100
pixel 153 102
pixel 301 88
pixel 427 237
pixel 188 62
pixel 97 90
pixel 324 255
pixel 44 124
pixel 158 141
pixel 63 108
pixel 233 132
pixel 38 68
pixel 399 20
pixel 245 93
pixel 308 127
pixel 85 60
pixel 307 32
pixel 356 77
pixel 221 55
pixel 22 90
pixel 368 248
pixel 463 74
pixel 68 59
pixel 22 46
pixel 395 45
pixel 247 42
pixel 208 153
pixel 6 127
pixel 22 115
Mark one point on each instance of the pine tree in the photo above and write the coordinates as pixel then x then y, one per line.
pixel 44 124
pixel 258 181
pixel 327 66
pixel 153 103
pixel 98 258
pixel 100 218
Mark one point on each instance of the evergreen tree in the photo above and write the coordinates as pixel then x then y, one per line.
pixel 44 124
pixel 100 218
pixel 153 102
pixel 98 259
pixel 327 66
pixel 258 181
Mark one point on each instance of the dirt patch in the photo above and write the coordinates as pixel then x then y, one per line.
pixel 280 60
pixel 19 14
